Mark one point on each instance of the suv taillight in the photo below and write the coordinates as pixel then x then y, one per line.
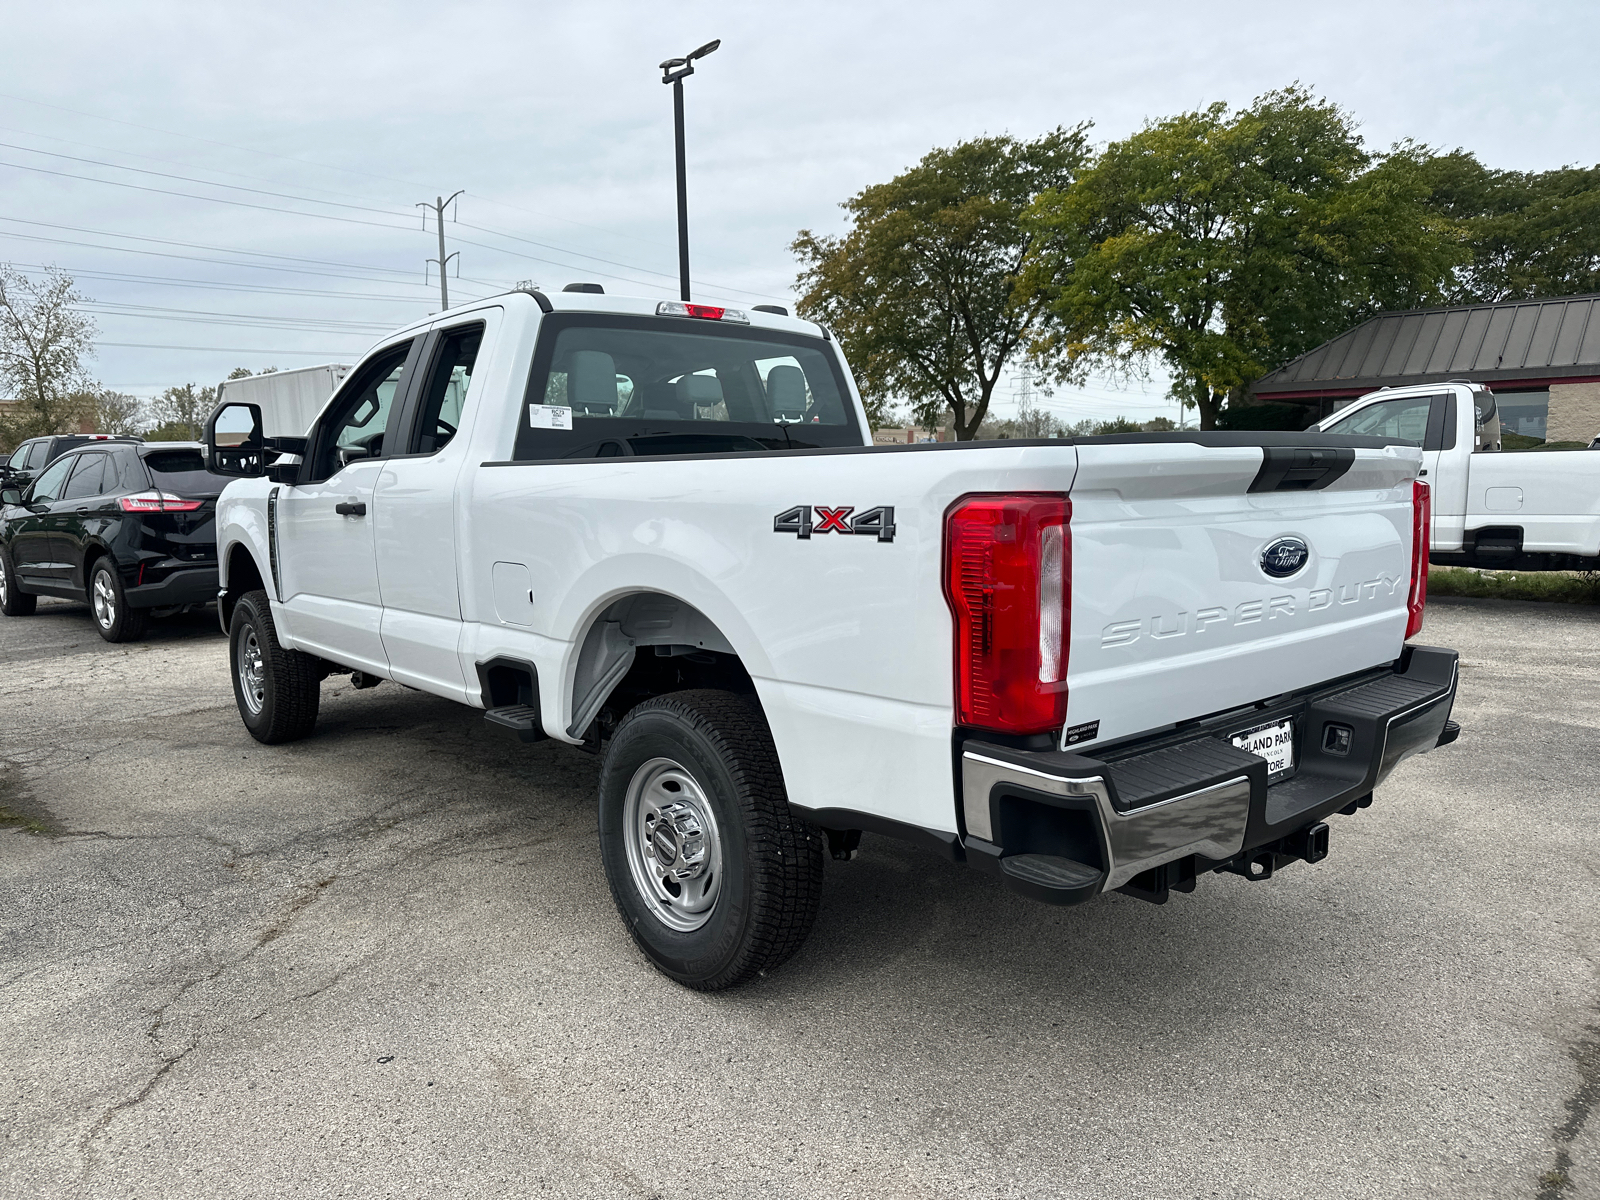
pixel 1421 540
pixel 146 502
pixel 1008 572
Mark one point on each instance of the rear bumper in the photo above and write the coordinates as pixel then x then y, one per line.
pixel 1151 815
pixel 187 585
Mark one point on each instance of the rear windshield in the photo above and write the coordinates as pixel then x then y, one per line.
pixel 182 472
pixel 609 387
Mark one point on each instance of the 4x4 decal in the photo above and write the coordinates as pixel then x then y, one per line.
pixel 874 522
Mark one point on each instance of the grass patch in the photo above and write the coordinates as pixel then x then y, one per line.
pixel 21 820
pixel 1521 441
pixel 1557 587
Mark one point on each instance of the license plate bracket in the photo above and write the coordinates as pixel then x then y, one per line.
pixel 1273 741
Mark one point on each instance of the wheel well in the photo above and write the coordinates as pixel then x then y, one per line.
pixel 94 555
pixel 243 576
pixel 682 648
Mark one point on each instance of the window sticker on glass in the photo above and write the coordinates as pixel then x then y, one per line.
pixel 549 416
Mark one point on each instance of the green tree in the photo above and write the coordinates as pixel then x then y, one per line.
pixel 1530 234
pixel 116 412
pixel 923 290
pixel 44 341
pixel 180 413
pixel 1222 244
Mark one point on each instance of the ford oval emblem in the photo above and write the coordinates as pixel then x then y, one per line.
pixel 1284 557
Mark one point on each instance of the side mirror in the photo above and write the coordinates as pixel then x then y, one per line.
pixel 10 496
pixel 234 443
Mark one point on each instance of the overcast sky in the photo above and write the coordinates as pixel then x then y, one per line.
pixel 553 119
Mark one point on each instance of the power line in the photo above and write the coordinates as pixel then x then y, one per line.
pixel 53 137
pixel 222 349
pixel 260 320
pixel 714 287
pixel 136 237
pixel 210 285
pixel 612 262
pixel 409 183
pixel 209 141
pixel 139 187
pixel 203 182
pixel 725 288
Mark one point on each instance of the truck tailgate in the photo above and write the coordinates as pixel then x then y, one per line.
pixel 1176 616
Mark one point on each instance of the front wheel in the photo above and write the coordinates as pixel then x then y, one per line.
pixel 13 601
pixel 277 690
pixel 714 876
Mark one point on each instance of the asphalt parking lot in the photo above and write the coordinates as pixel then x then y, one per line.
pixel 383 962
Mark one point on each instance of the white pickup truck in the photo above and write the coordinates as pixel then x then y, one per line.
pixel 659 530
pixel 1535 510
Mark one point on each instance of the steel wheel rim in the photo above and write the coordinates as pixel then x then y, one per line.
pixel 673 845
pixel 252 672
pixel 104 600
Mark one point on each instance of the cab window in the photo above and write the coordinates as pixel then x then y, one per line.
pixel 355 426
pixel 1404 419
pixel 446 392
pixel 604 386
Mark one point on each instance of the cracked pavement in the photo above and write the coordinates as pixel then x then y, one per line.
pixel 384 962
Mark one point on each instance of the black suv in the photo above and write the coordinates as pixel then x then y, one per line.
pixel 128 526
pixel 35 454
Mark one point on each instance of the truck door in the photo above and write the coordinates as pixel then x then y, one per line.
pixel 328 568
pixel 415 517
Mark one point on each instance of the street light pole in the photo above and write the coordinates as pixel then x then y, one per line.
pixel 675 71
pixel 438 207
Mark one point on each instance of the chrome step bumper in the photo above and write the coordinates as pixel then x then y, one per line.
pixel 1190 792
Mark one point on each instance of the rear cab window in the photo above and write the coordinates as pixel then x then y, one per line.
pixel 605 386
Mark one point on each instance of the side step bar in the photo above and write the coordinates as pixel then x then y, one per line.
pixel 520 719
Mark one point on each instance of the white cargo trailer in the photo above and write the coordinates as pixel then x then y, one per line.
pixel 289 400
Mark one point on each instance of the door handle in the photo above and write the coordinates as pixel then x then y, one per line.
pixel 350 508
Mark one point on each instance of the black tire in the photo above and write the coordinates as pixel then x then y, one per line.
pixel 108 604
pixel 769 881
pixel 280 703
pixel 14 602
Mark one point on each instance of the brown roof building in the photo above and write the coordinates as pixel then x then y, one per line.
pixel 1541 358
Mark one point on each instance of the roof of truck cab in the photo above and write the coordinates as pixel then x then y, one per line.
pixel 601 304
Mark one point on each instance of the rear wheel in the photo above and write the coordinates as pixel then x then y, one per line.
pixel 114 620
pixel 14 602
pixel 277 690
pixel 714 876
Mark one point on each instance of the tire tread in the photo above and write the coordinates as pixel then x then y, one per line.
pixel 296 677
pixel 786 855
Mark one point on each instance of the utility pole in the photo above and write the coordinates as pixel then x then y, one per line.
pixel 675 71
pixel 438 207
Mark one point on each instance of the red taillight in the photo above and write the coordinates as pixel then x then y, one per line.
pixel 1008 572
pixel 148 502
pixel 1421 539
